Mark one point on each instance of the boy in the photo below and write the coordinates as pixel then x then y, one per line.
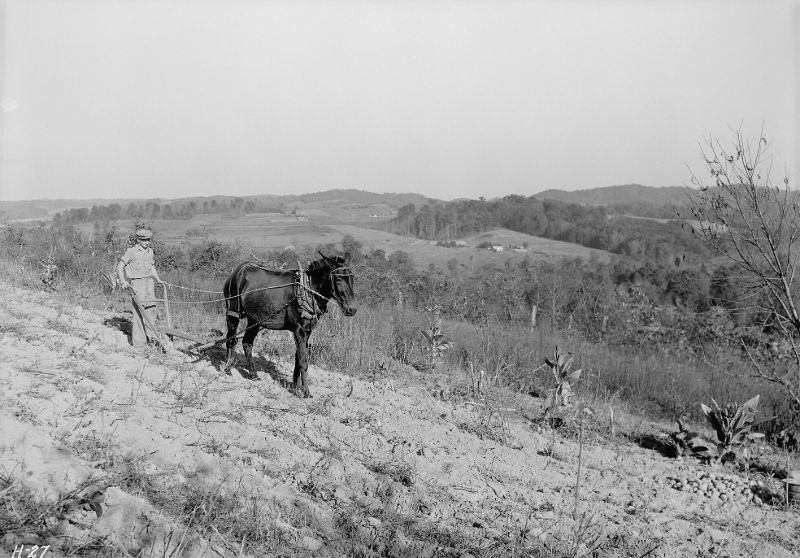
pixel 136 269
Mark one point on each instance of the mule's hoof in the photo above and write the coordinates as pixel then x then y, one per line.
pixel 300 392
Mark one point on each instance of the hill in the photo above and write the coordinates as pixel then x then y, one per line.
pixel 109 450
pixel 426 252
pixel 22 210
pixel 44 209
pixel 384 204
pixel 346 197
pixel 275 231
pixel 628 194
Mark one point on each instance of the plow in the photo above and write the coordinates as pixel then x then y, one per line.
pixel 166 334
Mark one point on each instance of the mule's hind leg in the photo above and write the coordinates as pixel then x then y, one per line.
pixel 247 345
pixel 232 321
pixel 301 362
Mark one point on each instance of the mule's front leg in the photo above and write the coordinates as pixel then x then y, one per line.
pixel 301 363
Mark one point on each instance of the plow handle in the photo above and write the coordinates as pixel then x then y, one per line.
pixel 138 303
pixel 167 315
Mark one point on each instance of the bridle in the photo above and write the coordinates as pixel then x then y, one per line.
pixel 343 272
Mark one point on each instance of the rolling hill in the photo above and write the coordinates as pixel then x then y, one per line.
pixel 619 195
pixel 361 200
pixel 275 231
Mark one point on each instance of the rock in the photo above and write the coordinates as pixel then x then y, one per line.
pixel 341 492
pixel 550 541
pixel 310 543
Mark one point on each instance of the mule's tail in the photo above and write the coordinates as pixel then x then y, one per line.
pixel 232 291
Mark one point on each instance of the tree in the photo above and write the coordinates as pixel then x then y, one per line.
pixel 755 223
pixel 353 249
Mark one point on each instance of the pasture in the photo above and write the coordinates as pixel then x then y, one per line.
pixel 328 224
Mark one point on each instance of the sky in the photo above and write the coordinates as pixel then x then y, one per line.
pixel 450 99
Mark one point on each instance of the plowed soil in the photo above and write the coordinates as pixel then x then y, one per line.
pixel 104 449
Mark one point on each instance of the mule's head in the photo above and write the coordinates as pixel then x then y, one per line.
pixel 341 281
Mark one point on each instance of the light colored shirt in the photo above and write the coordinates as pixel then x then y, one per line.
pixel 138 261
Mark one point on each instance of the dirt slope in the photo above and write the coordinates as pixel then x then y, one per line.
pixel 103 448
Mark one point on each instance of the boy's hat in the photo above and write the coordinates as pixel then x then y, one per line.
pixel 144 234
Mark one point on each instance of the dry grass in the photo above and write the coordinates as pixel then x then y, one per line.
pixel 381 341
pixel 230 516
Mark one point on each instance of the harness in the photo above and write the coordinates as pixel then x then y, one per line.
pixel 306 297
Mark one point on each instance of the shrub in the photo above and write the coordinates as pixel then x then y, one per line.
pixel 564 378
pixel 213 257
pixel 732 425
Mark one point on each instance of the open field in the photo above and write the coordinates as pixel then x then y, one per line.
pixel 341 204
pixel 105 449
pixel 274 231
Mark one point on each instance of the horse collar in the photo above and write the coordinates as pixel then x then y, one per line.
pixel 309 306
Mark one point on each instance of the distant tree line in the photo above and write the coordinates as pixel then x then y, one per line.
pixel 176 209
pixel 655 211
pixel 589 226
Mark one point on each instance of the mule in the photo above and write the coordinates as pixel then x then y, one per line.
pixel 284 300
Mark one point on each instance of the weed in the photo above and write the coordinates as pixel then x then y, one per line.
pixel 92 446
pixel 490 417
pixel 21 509
pixel 489 425
pixel 25 414
pixel 91 372
pixel 26 514
pixel 322 406
pixel 435 338
pixel 398 471
pixel 561 394
pixel 317 490
pixel 732 425
pixel 214 447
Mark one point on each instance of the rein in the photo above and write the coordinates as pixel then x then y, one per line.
pixel 217 292
pixel 338 272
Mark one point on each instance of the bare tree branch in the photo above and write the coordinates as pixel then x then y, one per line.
pixel 756 226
